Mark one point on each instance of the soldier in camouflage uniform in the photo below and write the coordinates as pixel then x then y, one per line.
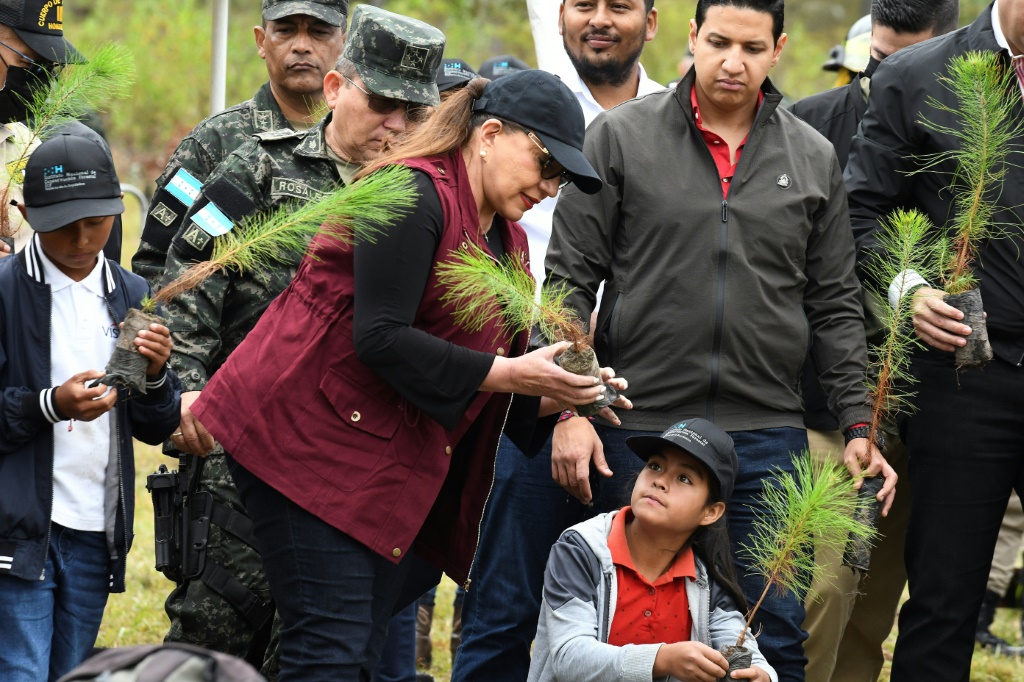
pixel 300 40
pixel 385 74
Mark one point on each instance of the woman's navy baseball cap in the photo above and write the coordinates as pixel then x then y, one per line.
pixel 543 104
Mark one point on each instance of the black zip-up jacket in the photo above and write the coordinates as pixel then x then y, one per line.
pixel 835 113
pixel 26 430
pixel 889 140
pixel 710 306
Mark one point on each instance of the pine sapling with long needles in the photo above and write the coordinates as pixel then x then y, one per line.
pixel 482 290
pixel 985 128
pixel 359 212
pixel 77 90
pixel 812 507
pixel 905 244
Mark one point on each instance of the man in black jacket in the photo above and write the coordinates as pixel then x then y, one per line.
pixel 966 439
pixel 846 621
pixel 895 24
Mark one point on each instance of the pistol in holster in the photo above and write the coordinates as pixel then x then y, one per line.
pixel 181 518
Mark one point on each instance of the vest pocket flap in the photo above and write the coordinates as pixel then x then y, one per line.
pixel 359 408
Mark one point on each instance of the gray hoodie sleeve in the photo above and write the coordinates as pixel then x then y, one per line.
pixel 568 645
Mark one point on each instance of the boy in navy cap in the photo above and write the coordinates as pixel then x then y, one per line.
pixel 67 474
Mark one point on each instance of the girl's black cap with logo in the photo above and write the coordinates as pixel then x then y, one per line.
pixel 702 439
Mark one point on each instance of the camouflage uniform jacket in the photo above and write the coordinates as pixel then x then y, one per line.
pixel 198 154
pixel 209 322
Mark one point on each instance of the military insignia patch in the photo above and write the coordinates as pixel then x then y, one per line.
pixel 783 181
pixel 163 215
pixel 414 57
pixel 264 120
pixel 196 237
pixel 293 188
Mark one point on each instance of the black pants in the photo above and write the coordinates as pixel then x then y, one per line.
pixel 334 595
pixel 966 448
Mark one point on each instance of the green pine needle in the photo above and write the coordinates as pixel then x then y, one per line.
pixel 813 507
pixel 81 88
pixel 357 212
pixel 482 290
pixel 906 243
pixel 77 90
pixel 986 93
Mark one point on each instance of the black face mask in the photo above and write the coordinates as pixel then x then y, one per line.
pixel 873 63
pixel 17 91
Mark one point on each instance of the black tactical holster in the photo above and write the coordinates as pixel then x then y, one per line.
pixel 183 516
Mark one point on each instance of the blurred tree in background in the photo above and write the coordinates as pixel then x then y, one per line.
pixel 171 44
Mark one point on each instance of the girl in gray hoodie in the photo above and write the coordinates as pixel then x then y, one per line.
pixel 649 592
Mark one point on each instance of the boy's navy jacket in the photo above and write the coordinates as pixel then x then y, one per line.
pixel 26 435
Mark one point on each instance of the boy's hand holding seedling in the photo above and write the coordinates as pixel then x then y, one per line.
pixel 155 344
pixel 75 401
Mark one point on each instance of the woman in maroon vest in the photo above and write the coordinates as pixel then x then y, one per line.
pixel 362 421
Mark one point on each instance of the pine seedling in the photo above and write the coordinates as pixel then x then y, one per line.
pixel 75 91
pixel 905 243
pixel 482 290
pixel 80 88
pixel 148 305
pixel 356 212
pixel 812 507
pixel 986 93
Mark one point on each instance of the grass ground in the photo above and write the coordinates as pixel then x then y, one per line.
pixel 137 616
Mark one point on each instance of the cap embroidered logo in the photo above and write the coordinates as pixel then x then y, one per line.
pixel 55 23
pixel 783 181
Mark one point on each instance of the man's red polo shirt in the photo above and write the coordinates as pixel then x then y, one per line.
pixel 646 612
pixel 717 146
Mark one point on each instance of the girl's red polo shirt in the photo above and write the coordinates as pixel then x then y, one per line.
pixel 646 612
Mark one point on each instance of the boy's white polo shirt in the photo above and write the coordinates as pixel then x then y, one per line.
pixel 82 337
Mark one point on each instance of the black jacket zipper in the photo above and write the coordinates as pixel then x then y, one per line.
pixel 716 343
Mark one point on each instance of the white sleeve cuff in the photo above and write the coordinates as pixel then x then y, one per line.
pixel 48 404
pixel 902 284
pixel 158 382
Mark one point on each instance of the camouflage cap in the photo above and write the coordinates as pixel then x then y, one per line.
pixel 396 56
pixel 331 11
